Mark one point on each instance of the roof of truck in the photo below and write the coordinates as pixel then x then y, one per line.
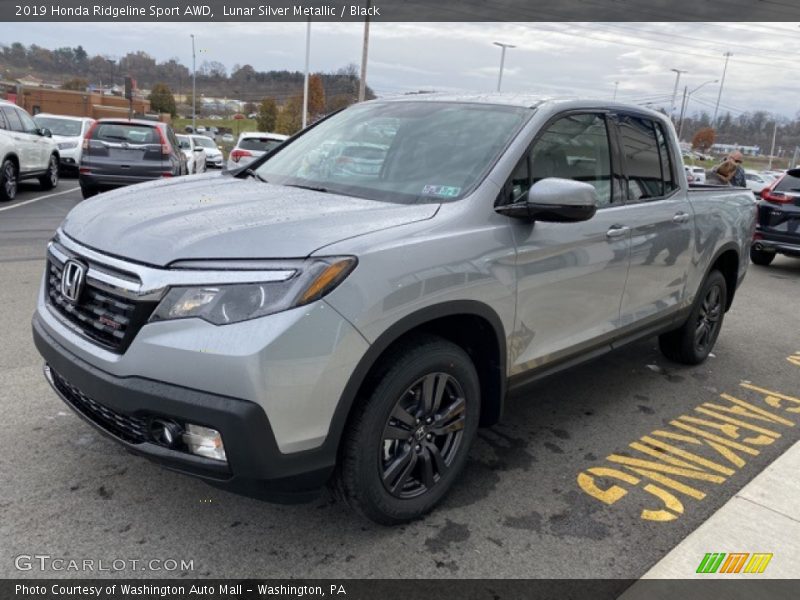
pixel 521 100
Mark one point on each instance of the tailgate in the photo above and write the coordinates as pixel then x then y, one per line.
pixel 120 158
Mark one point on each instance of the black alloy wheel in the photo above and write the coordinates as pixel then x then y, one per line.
pixel 422 436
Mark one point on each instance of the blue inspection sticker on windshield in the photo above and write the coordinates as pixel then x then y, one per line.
pixel 442 191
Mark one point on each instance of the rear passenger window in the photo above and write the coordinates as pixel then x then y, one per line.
pixel 643 159
pixel 14 124
pixel 575 147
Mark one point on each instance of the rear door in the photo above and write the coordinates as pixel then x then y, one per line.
pixel 660 219
pixel 570 276
pixel 124 149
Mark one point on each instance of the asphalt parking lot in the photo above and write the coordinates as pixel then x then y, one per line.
pixel 518 511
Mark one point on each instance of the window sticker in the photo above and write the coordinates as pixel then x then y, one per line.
pixel 442 191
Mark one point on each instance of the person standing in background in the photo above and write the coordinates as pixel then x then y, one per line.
pixel 738 179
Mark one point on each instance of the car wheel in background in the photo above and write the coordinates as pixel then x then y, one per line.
pixel 760 257
pixel 8 181
pixel 50 179
pixel 88 190
pixel 408 439
pixel 691 343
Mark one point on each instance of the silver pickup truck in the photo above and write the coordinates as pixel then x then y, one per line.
pixel 351 307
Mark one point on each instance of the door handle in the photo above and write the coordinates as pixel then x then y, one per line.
pixel 617 231
pixel 680 217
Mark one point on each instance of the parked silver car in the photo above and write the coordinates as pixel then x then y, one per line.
pixel 301 324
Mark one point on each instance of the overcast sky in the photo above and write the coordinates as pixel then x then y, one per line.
pixel 582 59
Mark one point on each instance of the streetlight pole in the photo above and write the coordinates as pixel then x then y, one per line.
pixel 616 87
pixel 727 55
pixel 362 84
pixel 675 90
pixel 305 80
pixel 685 106
pixel 502 61
pixel 194 89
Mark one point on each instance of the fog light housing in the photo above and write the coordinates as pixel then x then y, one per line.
pixel 204 441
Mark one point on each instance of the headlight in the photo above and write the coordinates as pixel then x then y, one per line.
pixel 231 303
pixel 67 145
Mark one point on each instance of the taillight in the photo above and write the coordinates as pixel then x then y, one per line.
pixel 776 197
pixel 166 149
pixel 88 135
pixel 237 154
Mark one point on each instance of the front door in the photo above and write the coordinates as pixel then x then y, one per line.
pixel 570 276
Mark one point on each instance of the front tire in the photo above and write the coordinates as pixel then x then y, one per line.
pixel 408 440
pixel 9 181
pixel 759 257
pixel 691 343
pixel 49 180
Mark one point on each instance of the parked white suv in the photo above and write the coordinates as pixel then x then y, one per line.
pixel 26 151
pixel 252 145
pixel 68 133
pixel 194 152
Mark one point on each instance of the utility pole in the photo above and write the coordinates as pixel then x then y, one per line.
pixel 675 90
pixel 772 148
pixel 502 61
pixel 362 84
pixel 305 80
pixel 683 111
pixel 727 56
pixel 616 86
pixel 194 89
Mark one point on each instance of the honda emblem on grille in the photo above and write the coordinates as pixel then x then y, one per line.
pixel 73 277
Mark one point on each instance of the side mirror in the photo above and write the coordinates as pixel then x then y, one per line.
pixel 555 200
pixel 793 173
pixel 45 132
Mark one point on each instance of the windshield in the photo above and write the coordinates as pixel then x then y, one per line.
pixel 205 142
pixel 184 142
pixel 399 151
pixel 65 127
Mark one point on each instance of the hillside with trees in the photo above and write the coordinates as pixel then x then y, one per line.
pixel 242 82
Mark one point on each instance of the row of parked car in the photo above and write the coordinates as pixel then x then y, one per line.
pixel 108 153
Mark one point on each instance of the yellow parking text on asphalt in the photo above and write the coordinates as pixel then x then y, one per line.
pixel 694 454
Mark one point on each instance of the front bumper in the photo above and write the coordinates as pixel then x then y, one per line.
pixel 255 466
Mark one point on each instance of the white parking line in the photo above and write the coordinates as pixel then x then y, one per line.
pixel 40 198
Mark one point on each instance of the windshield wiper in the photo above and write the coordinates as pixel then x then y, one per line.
pixel 309 187
pixel 252 173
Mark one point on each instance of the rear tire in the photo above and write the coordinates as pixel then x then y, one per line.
pixel 759 257
pixel 400 453
pixel 9 181
pixel 88 190
pixel 691 343
pixel 49 180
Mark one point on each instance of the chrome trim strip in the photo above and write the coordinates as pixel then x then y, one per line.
pixel 154 281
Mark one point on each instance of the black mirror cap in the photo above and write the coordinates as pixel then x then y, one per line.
pixel 793 173
pixel 549 213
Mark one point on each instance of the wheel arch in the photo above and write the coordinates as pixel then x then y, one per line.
pixel 472 325
pixel 726 261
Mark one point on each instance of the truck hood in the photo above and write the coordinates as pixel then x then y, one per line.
pixel 221 217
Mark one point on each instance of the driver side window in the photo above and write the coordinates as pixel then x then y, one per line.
pixel 575 147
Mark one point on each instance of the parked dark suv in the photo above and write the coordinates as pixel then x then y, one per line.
pixel 778 223
pixel 119 152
